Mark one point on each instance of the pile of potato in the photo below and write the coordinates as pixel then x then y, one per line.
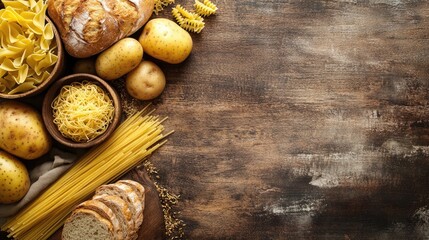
pixel 161 38
pixel 23 137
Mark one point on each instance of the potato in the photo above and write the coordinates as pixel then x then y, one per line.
pixel 22 131
pixel 119 59
pixel 146 81
pixel 163 39
pixel 84 65
pixel 14 178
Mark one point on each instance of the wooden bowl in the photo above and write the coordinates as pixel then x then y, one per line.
pixel 47 111
pixel 55 74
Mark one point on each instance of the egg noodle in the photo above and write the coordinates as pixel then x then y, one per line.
pixel 27 46
pixel 134 140
pixel 82 111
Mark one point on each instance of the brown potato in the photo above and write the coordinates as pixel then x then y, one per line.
pixel 14 178
pixel 119 59
pixel 146 81
pixel 163 39
pixel 23 132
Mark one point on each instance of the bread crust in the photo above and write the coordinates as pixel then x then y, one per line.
pixel 123 213
pixel 88 27
pixel 128 194
pixel 105 212
pixel 78 213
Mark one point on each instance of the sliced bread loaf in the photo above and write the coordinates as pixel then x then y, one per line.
pixel 127 194
pixel 122 211
pixel 138 188
pixel 104 211
pixel 87 224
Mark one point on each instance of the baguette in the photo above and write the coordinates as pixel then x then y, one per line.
pixel 88 27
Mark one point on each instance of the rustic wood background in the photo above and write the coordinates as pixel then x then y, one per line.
pixel 302 120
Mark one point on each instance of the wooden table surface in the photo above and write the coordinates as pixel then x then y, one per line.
pixel 302 120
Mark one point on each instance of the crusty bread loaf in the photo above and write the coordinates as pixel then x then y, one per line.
pixel 115 209
pixel 88 27
pixel 128 194
pixel 107 213
pixel 138 188
pixel 122 212
pixel 87 224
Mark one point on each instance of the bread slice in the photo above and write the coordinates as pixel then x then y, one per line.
pixel 105 212
pixel 127 194
pixel 122 212
pixel 87 224
pixel 138 188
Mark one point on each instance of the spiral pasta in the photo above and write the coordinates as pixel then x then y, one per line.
pixel 160 5
pixel 188 20
pixel 27 46
pixel 205 8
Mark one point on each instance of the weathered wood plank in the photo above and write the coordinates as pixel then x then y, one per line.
pixel 302 119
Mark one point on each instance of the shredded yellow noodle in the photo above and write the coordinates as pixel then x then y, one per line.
pixel 82 111
pixel 27 46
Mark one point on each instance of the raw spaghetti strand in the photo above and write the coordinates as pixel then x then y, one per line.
pixel 132 142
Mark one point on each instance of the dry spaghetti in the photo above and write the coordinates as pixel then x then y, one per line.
pixel 82 111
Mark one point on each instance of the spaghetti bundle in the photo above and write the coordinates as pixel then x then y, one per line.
pixel 82 111
pixel 134 140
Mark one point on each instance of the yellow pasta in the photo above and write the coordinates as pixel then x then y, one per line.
pixel 82 111
pixel 188 20
pixel 187 14
pixel 193 25
pixel 27 46
pixel 205 8
pixel 160 5
pixel 134 140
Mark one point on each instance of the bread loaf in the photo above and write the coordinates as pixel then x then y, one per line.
pixel 122 212
pixel 88 27
pixel 127 194
pixel 87 224
pixel 104 211
pixel 115 211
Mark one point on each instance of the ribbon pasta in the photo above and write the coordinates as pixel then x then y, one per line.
pixel 27 46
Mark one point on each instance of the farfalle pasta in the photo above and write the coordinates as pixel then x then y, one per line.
pixel 27 46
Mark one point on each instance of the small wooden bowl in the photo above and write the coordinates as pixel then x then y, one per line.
pixel 47 111
pixel 55 74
